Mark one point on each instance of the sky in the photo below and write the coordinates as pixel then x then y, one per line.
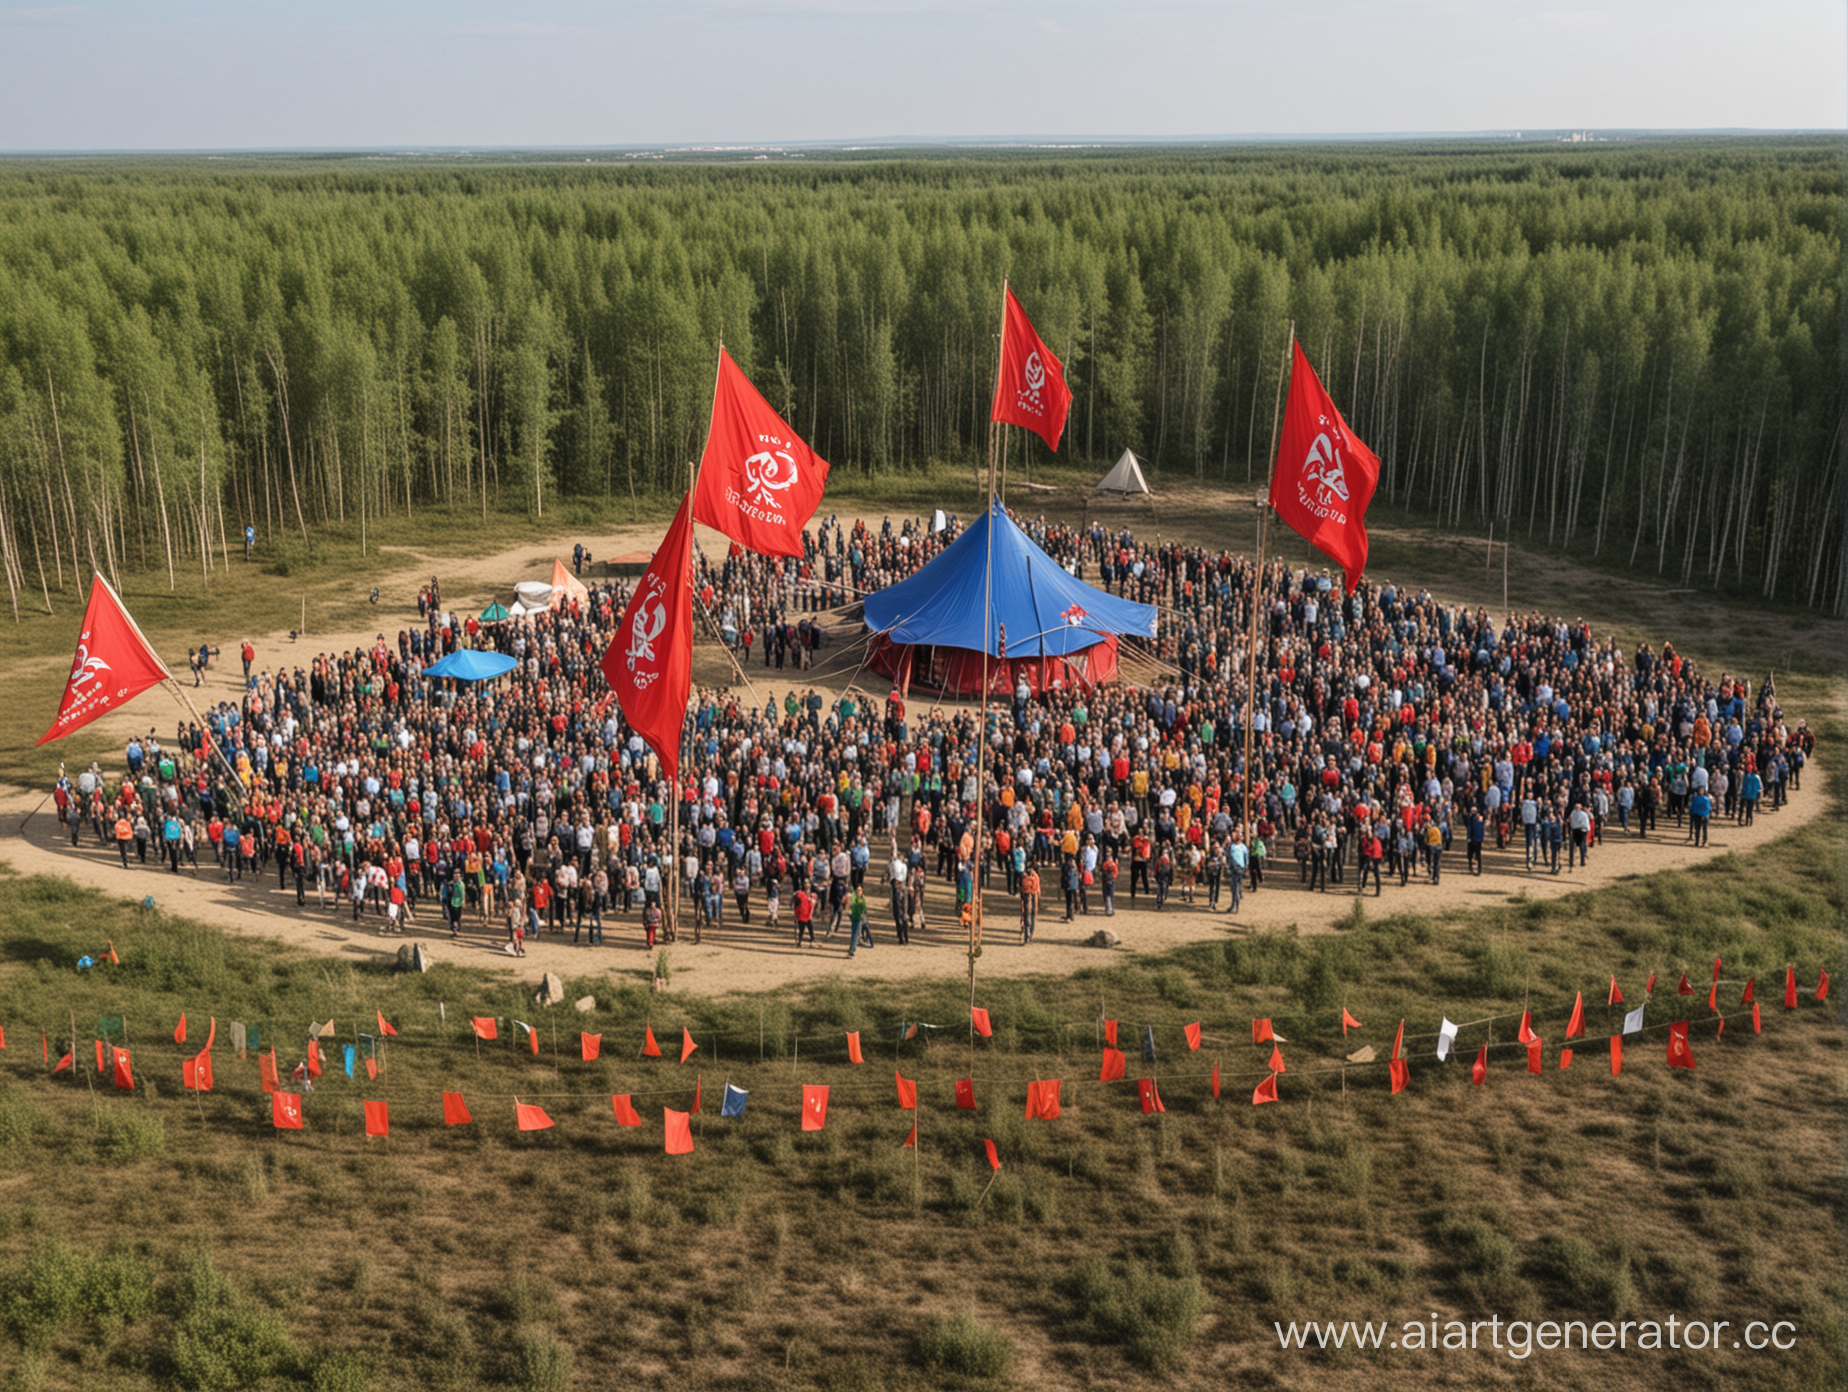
pixel 386 74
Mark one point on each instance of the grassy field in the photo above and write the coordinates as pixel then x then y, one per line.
pixel 156 1239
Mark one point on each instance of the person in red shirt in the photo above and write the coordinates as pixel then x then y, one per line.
pixel 805 916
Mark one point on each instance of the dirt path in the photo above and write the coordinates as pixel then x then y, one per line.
pixel 750 959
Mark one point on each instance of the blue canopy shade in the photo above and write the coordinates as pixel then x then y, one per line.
pixel 1047 612
pixel 466 664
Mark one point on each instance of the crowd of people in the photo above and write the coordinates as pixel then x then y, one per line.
pixel 1388 727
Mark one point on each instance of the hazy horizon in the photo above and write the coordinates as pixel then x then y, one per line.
pixel 206 76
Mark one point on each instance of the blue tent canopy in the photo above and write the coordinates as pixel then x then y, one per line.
pixel 1048 613
pixel 466 664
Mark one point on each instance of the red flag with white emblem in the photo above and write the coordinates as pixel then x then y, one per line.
pixel 1030 388
pixel 649 664
pixel 1324 477
pixel 758 482
pixel 114 664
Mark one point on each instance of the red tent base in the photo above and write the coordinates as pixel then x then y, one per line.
pixel 958 671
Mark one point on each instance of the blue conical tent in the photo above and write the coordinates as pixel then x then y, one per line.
pixel 1036 613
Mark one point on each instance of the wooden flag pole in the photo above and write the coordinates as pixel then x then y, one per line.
pixel 205 729
pixel 986 1187
pixel 981 733
pixel 1257 592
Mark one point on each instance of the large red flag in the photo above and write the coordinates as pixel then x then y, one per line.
pixel 1324 477
pixel 758 482
pixel 114 664
pixel 455 1110
pixel 649 664
pixel 1030 389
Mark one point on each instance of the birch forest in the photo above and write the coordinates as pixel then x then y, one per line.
pixel 1631 353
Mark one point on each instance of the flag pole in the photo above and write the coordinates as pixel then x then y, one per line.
pixel 1257 590
pixel 672 925
pixel 205 729
pixel 981 733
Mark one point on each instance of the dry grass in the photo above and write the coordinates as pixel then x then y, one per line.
pixel 197 1247
pixel 155 1240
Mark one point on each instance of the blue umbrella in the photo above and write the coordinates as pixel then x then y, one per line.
pixel 470 665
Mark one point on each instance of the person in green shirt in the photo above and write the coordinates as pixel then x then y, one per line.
pixel 856 921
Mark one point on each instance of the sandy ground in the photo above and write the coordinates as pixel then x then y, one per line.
pixel 750 959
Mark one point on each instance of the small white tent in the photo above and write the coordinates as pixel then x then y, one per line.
pixel 1125 477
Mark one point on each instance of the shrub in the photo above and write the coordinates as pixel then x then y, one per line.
pixel 445 1347
pixel 118 1289
pixel 1498 972
pixel 1586 1277
pixel 218 1344
pixel 342 1372
pixel 1476 1247
pixel 59 1287
pixel 20 1120
pixel 961 1345
pixel 523 1299
pixel 1486 1266
pixel 133 1136
pixel 539 1363
pixel 1151 1317
pixel 45 1295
